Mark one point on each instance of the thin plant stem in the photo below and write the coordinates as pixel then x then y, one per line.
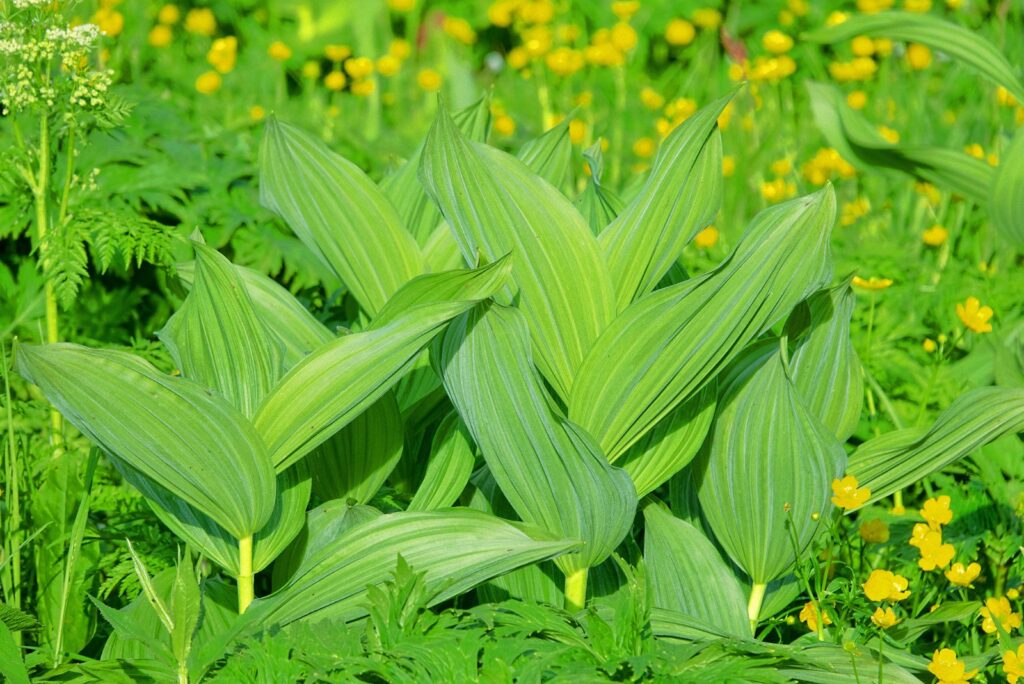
pixel 12 472
pixel 576 590
pixel 245 576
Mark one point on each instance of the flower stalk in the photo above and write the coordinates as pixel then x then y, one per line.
pixel 245 576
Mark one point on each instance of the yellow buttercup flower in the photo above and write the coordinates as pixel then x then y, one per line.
pixel 862 46
pixel 848 494
pixel 399 48
pixel 577 131
pixel 707 238
pixel 777 42
pixel 402 5
pixel 625 9
pixel 884 618
pixel 109 20
pixel 223 54
pixel 363 87
pixel 335 80
pixel 564 61
pixel 935 236
pixel 728 165
pixel 872 283
pixel 279 51
pixel 948 669
pixel 359 67
pixel 963 576
pixel 919 56
pixel 999 610
pixel 160 36
pixel 782 167
pixel 257 113
pixel 428 80
pixel 809 615
pixel 644 148
pixel 858 99
pixel 388 65
pixel 201 21
pixel 459 29
pixel 851 212
pixel 208 83
pixel 883 585
pixel 874 531
pixel 917 5
pixel 707 18
pixel 777 190
pixel 937 511
pixel 169 15
pixel 623 36
pixel 680 32
pixel 337 53
pixel 891 135
pixel 504 125
pixel 651 98
pixel 975 316
pixel 929 345
pixel 1013 664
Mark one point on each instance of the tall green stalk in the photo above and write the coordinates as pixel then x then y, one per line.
pixel 245 575
pixel 12 531
pixel 576 590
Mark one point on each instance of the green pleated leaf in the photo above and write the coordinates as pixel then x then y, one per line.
pixel 338 213
pixel 950 39
pixel 217 339
pixel 1007 201
pixel 680 198
pixel 689 576
pixel 889 463
pixel 860 143
pixel 549 155
pixel 551 472
pixel 455 548
pixel 449 466
pixel 496 205
pixel 598 204
pixel 323 525
pixel 824 365
pixel 176 433
pixel 767 453
pixel 341 379
pixel 671 444
pixel 354 463
pixel 665 347
pixel 824 663
pixel 419 214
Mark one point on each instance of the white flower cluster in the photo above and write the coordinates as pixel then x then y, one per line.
pixel 83 36
pixel 25 4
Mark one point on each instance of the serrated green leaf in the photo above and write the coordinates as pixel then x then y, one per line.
pixel 551 472
pixel 496 205
pixel 889 463
pixel 664 348
pixel 449 466
pixel 338 213
pixel 681 197
pixel 171 430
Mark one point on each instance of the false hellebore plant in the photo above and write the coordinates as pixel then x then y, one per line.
pixel 547 364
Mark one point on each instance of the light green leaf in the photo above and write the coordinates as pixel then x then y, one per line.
pixel 665 347
pixel 217 339
pixel 767 467
pixel 859 142
pixel 449 466
pixel 455 548
pixel 889 463
pixel 174 432
pixel 185 606
pixel 598 203
pixel 679 199
pixel 1006 204
pixel 355 462
pixel 495 205
pixel 689 576
pixel 338 213
pixel 956 41
pixel 824 365
pixel 551 472
pixel 549 155
pixel 341 379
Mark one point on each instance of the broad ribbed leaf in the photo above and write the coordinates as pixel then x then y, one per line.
pixel 598 204
pixel 889 463
pixel 455 548
pixel 217 339
pixel 665 347
pixel 551 472
pixel 323 525
pixel 767 467
pixel 419 214
pixel 495 205
pixel 1007 201
pixel 679 199
pixel 825 366
pixel 674 441
pixel 688 574
pixel 172 430
pixel 955 41
pixel 353 464
pixel 449 466
pixel 341 379
pixel 338 213
pixel 859 142
pixel 549 155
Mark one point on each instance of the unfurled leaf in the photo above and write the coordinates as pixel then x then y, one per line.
pixel 598 204
pixel 551 472
pixel 330 387
pixel 338 213
pixel 217 339
pixel 549 155
pixel 174 432
pixel 680 198
pixel 689 576
pixel 767 467
pixel 824 364
pixel 353 464
pixel 889 463
pixel 456 549
pixel 664 348
pixel 449 466
pixel 496 205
